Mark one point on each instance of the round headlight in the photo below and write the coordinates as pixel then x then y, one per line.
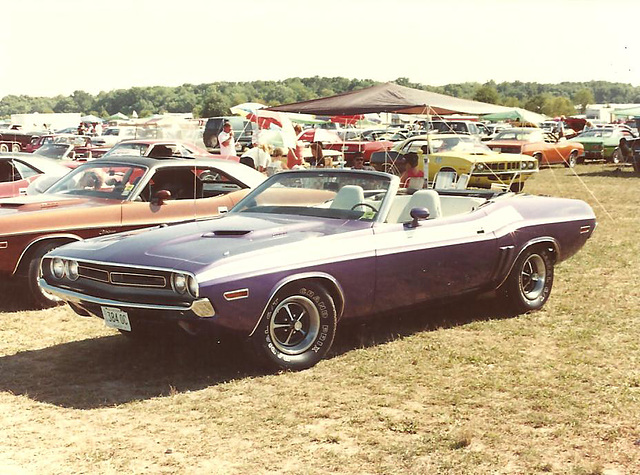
pixel 192 283
pixel 57 268
pixel 524 165
pixel 180 283
pixel 72 270
pixel 479 167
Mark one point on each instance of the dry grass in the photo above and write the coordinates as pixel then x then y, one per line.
pixel 458 389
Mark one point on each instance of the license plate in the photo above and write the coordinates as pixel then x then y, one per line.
pixel 116 318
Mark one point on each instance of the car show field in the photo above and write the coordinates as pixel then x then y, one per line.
pixel 458 387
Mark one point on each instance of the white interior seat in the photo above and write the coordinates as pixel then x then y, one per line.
pixel 348 197
pixel 429 199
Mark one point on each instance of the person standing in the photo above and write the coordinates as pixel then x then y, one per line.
pixel 260 156
pixel 294 156
pixel 226 141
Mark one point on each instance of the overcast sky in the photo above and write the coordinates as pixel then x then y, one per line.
pixel 60 46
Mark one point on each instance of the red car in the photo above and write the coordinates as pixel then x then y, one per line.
pixel 545 146
pixel 38 141
pixel 19 170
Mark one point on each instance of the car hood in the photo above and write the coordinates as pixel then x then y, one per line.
pixel 584 140
pixel 505 142
pixel 192 246
pixel 22 204
pixel 484 156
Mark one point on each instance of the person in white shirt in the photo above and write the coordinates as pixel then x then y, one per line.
pixel 260 155
pixel 226 141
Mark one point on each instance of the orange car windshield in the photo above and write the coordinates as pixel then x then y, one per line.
pixel 106 181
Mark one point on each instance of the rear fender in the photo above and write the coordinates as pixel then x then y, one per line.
pixel 545 241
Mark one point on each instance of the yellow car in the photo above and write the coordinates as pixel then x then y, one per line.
pixel 463 154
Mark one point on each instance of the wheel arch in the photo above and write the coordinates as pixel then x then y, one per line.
pixel 546 242
pixel 23 260
pixel 326 280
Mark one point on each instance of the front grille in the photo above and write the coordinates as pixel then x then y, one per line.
pixel 124 276
pixel 508 149
pixel 138 280
pixel 504 166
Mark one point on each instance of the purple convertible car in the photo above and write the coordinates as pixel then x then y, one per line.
pixel 307 249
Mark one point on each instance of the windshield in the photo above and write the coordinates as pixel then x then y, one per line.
pixel 531 135
pixel 53 150
pixel 332 194
pixel 114 182
pixel 597 133
pixel 454 143
pixel 135 149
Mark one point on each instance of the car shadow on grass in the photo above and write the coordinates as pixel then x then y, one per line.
pixel 385 328
pixel 618 172
pixel 113 370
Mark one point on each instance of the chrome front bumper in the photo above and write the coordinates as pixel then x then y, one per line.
pixel 200 307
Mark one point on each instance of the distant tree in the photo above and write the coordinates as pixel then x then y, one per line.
pixel 511 102
pixel 65 104
pixel 536 103
pixel 583 98
pixel 557 106
pixel 487 93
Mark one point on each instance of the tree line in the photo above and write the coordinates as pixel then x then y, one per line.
pixel 215 99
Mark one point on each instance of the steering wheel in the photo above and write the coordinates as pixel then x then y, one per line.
pixel 366 205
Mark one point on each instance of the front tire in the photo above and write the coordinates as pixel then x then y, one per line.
pixel 529 284
pixel 298 327
pixel 15 148
pixel 37 296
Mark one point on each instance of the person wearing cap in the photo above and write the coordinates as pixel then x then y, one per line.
pixel 226 141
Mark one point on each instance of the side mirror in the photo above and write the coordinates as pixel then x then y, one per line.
pixel 417 214
pixel 160 197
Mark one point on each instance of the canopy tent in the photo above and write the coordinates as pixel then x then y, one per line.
pixel 91 118
pixel 516 113
pixel 118 116
pixel 389 97
pixel 631 112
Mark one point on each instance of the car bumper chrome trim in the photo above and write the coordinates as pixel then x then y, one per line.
pixel 200 307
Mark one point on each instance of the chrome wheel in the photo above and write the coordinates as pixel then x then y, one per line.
pixel 295 325
pixel 533 277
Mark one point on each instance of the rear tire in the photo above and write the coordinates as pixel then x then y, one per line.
pixel 298 327
pixel 36 295
pixel 572 160
pixel 529 284
pixel 617 157
pixel 4 148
